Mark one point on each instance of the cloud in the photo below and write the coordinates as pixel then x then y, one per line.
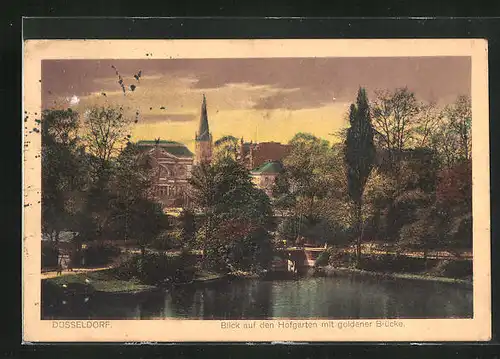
pixel 258 99
pixel 74 100
pixel 169 117
pixel 256 125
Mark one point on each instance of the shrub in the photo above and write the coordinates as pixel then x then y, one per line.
pixel 394 263
pixel 322 259
pixel 95 254
pixel 49 255
pixel 157 268
pixel 167 240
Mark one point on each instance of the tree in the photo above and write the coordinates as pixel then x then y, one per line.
pixel 451 138
pixel 459 117
pixel 104 133
pixel 455 186
pixel 147 220
pixel 130 185
pixel 394 117
pixel 312 190
pixel 204 197
pixel 62 174
pixel 359 157
pixel 428 122
pixel 226 146
pixel 307 177
pixel 423 232
pixel 105 130
pixel 235 214
pixel 188 225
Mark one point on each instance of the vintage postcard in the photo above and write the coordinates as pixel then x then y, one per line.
pixel 256 191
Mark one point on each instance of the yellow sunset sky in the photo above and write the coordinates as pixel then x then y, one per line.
pixel 257 99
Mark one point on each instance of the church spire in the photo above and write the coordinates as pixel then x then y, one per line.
pixel 203 131
pixel 203 138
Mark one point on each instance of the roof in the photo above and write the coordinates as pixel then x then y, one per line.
pixel 203 131
pixel 266 151
pixel 269 167
pixel 174 148
pixel 160 143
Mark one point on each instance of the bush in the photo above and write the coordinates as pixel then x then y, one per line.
pixel 95 254
pixel 322 259
pixel 167 240
pixel 394 264
pixel 340 258
pixel 49 255
pixel 157 268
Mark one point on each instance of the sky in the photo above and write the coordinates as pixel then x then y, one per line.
pixel 259 99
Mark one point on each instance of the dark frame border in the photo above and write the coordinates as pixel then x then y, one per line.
pixel 292 28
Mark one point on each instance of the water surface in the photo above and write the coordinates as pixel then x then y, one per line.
pixel 341 297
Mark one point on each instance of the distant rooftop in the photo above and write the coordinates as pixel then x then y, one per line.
pixel 174 148
pixel 161 143
pixel 269 167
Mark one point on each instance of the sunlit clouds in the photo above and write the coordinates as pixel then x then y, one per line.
pixel 258 99
pixel 169 108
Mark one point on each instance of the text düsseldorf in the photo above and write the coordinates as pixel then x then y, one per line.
pixel 84 324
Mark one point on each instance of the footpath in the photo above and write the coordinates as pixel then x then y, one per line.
pixel 54 274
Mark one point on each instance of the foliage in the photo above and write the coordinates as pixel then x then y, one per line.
pixel 237 216
pixel 312 189
pixel 188 224
pixel 455 185
pixel 157 268
pixel 90 185
pixel 96 254
pixel 307 166
pixel 167 239
pixel 458 232
pixel 226 147
pixel 459 119
pixel 62 174
pixel 413 191
pixel 105 129
pixel 395 114
pixel 50 255
pixel 241 246
pixel 323 259
pixel 359 157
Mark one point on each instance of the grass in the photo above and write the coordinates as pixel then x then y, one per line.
pixel 101 281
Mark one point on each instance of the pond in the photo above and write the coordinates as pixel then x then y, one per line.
pixel 341 297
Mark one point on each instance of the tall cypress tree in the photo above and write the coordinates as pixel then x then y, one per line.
pixel 359 157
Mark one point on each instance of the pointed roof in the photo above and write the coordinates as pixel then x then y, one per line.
pixel 203 131
pixel 174 148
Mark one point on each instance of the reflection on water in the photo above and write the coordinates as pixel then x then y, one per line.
pixel 346 297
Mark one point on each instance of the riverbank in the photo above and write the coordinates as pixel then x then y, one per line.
pixel 343 296
pixel 332 271
pixel 96 281
pixel 104 281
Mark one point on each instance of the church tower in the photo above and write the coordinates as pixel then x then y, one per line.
pixel 203 138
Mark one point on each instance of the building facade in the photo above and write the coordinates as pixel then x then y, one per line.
pixel 254 155
pixel 265 175
pixel 172 163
